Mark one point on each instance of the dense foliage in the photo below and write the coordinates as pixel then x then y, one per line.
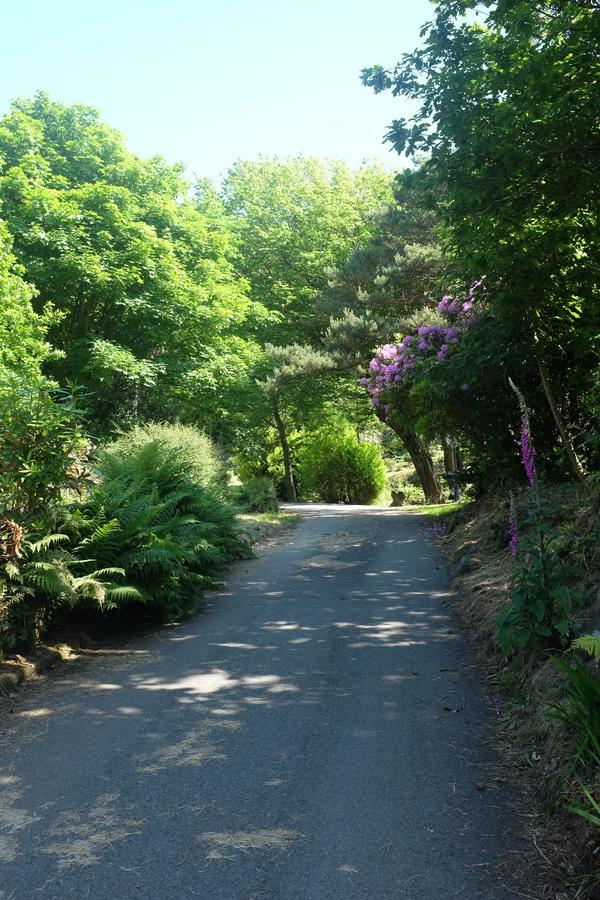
pixel 157 514
pixel 257 495
pixel 336 468
pixel 152 528
pixel 141 279
pixel 40 436
pixel 294 221
pixel 507 110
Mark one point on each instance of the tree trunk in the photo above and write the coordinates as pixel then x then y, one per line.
pixel 459 458
pixel 452 464
pixel 566 440
pixel 290 487
pixel 449 448
pixel 422 462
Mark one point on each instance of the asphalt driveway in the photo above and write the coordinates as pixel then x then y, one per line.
pixel 317 732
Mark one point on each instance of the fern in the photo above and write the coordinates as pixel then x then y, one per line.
pixel 124 594
pixel 153 515
pixel 45 543
pixel 103 532
pixel 153 530
pixel 48 579
pixel 110 570
pixel 590 644
pixel 90 588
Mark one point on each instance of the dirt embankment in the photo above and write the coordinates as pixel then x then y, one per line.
pixel 564 848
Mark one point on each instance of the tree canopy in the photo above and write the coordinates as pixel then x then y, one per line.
pixel 147 294
pixel 507 109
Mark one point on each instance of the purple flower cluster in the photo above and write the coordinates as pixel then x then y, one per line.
pixel 395 364
pixel 528 451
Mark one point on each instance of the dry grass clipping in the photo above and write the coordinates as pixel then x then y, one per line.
pixel 78 838
pixel 257 839
pixel 192 750
pixel 12 817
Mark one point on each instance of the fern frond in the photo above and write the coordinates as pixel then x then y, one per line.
pixel 589 643
pixel 196 578
pixel 122 593
pixel 11 570
pixel 102 533
pixel 44 543
pixel 109 570
pixel 90 589
pixel 48 579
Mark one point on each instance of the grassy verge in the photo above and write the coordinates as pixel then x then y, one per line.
pixel 259 527
pixel 441 510
pixel 563 860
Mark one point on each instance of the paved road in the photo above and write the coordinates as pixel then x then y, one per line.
pixel 317 732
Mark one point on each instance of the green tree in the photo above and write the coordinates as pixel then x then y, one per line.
pixel 23 343
pixel 508 114
pixel 297 390
pixel 142 279
pixel 295 221
pixel 39 424
pixel 376 294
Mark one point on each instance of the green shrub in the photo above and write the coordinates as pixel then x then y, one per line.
pixel 40 436
pixel 203 463
pixel 157 513
pixel 153 529
pixel 40 445
pixel 336 468
pixel 258 495
pixel 579 712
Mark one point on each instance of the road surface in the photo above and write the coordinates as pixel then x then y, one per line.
pixel 317 732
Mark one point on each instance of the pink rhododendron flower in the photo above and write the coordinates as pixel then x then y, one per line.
pixel 393 364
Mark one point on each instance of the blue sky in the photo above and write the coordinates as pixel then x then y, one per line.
pixel 211 82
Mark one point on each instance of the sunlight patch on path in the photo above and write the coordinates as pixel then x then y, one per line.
pixel 339 539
